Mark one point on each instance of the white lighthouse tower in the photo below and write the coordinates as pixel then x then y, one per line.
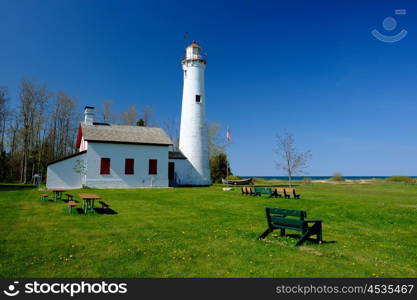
pixel 193 132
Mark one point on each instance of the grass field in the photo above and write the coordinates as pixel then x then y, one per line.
pixel 370 230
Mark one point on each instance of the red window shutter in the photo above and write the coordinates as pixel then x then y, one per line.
pixel 153 166
pixel 105 166
pixel 129 166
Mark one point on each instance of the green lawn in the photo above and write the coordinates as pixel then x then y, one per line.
pixel 370 230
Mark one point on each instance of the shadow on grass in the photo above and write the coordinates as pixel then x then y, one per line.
pixel 309 240
pixel 101 211
pixel 16 187
pixel 105 211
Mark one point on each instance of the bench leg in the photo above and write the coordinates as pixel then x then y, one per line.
pixel 265 234
pixel 282 231
pixel 315 229
pixel 319 234
pixel 303 238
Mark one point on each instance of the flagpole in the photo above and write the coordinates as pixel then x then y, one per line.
pixel 227 156
pixel 227 165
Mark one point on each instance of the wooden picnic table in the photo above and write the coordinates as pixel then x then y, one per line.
pixel 88 201
pixel 58 193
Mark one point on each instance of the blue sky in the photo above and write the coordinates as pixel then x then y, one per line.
pixel 310 67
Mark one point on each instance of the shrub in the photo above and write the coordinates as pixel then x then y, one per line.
pixel 404 179
pixel 337 177
pixel 233 177
pixel 218 168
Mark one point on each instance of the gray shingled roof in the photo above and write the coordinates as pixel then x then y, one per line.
pixel 125 134
pixel 176 155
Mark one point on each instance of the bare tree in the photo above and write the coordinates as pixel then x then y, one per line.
pixel 130 116
pixel 4 114
pixel 107 113
pixel 33 99
pixel 147 115
pixel 215 144
pixel 172 128
pixel 291 161
pixel 63 125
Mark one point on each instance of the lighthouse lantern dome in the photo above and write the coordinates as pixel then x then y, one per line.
pixel 193 51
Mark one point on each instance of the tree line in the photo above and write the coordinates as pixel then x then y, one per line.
pixel 39 129
pixel 42 126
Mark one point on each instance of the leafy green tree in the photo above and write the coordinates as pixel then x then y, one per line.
pixel 218 167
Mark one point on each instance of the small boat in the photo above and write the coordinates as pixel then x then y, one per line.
pixel 238 182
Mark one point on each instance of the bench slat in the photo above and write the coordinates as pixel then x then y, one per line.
pixel 263 190
pixel 287 222
pixel 287 212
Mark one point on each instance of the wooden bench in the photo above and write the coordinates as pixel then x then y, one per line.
pixel 244 191
pixel 287 192
pixel 277 218
pixel 247 191
pixel 251 191
pixel 71 205
pixel 104 205
pixel 283 191
pixel 292 191
pixel 70 197
pixel 277 193
pixel 44 196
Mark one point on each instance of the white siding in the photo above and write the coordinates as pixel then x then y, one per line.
pixel 62 174
pixel 117 154
pixel 83 144
pixel 185 173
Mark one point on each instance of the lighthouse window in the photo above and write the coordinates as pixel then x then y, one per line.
pixel 195 50
pixel 197 98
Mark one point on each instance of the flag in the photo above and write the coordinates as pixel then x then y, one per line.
pixel 228 136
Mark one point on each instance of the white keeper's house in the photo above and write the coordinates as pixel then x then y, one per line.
pixel 121 156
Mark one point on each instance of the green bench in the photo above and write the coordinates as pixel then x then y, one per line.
pixel 277 218
pixel 264 191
